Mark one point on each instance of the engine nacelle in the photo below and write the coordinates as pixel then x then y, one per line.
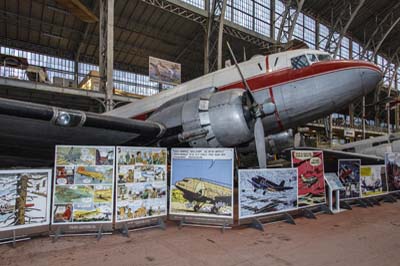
pixel 220 119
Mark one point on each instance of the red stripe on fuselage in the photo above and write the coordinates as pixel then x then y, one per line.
pixel 288 75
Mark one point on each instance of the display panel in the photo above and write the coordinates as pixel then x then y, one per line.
pixel 141 183
pixel 83 185
pixel 392 162
pixel 349 175
pixel 373 180
pixel 267 191
pixel 202 183
pixel 311 183
pixel 333 181
pixel 24 198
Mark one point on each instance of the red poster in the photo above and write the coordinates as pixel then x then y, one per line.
pixel 310 165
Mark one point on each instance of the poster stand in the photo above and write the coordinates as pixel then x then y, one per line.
pixel 374 201
pixel 396 194
pixel 257 223
pixel 223 226
pixel 389 198
pixel 13 240
pixel 361 203
pixel 309 212
pixel 125 229
pixel 60 233
pixel 345 205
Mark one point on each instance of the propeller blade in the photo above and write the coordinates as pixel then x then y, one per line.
pixel 259 139
pixel 246 86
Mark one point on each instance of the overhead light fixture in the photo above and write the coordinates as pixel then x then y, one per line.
pixel 52 36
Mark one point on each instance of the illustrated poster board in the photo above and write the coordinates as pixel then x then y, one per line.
pixel 164 71
pixel 373 180
pixel 141 185
pixel 333 181
pixel 311 183
pixel 202 185
pixel 267 191
pixel 83 194
pixel 392 162
pixel 349 175
pixel 24 201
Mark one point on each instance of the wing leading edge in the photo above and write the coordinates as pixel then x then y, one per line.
pixel 30 131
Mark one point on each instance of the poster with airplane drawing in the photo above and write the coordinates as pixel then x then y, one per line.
pixel 267 191
pixel 349 175
pixel 24 198
pixel 373 180
pixel 83 185
pixel 311 182
pixel 202 182
pixel 141 183
pixel 392 162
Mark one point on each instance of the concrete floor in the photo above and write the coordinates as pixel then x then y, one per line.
pixel 358 237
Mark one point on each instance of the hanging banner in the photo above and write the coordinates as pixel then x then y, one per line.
pixel 202 185
pixel 267 191
pixel 392 162
pixel 141 185
pixel 83 188
pixel 373 180
pixel 164 71
pixel 24 201
pixel 349 175
pixel 311 183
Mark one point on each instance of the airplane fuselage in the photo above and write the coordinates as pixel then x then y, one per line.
pixel 300 93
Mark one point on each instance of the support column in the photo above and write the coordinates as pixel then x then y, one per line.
pixel 351 114
pixel 363 117
pixel 76 65
pixel 106 51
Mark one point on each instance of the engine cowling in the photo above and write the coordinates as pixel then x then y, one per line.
pixel 220 119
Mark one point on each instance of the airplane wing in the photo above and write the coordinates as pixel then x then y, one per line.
pixel 29 132
pixel 331 158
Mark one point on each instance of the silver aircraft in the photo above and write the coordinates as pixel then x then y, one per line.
pixel 236 106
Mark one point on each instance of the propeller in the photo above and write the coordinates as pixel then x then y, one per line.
pixel 258 111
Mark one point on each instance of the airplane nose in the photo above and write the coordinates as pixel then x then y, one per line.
pixel 370 79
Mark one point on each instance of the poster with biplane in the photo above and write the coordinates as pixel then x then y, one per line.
pixel 141 183
pixel 267 191
pixel 24 198
pixel 311 182
pixel 83 185
pixel 373 180
pixel 202 183
pixel 349 175
pixel 392 162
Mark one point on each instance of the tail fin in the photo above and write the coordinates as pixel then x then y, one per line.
pixel 282 183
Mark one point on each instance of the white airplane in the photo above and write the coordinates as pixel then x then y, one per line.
pixel 234 106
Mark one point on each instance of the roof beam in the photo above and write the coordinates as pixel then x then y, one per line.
pixel 288 23
pixel 382 30
pixel 341 25
pixel 200 16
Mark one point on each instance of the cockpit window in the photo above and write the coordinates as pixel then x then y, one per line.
pixel 299 62
pixel 312 58
pixel 324 57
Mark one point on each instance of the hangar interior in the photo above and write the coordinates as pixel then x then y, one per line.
pixel 50 49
